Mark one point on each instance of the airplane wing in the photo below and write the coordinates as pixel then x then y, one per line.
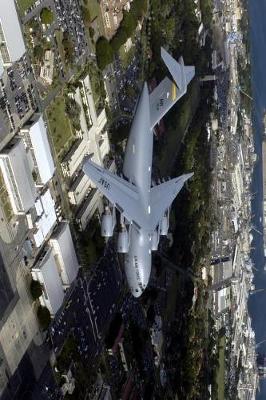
pixel 163 195
pixel 118 191
pixel 168 92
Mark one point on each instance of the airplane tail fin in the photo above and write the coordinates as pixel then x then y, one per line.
pixel 168 92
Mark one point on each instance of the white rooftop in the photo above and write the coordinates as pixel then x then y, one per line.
pixel 46 272
pixel 1 66
pixel 11 29
pixel 223 297
pixel 17 175
pixel 42 151
pixel 63 249
pixel 47 217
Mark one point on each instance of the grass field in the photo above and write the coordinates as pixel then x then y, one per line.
pixel 94 9
pixel 59 125
pixel 221 369
pixel 59 38
pixel 23 5
pixel 126 56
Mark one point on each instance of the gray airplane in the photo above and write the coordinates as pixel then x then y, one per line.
pixel 144 210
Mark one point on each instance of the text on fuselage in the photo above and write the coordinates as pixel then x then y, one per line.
pixel 104 183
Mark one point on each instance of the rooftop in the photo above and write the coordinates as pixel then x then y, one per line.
pixel 11 30
pixel 42 151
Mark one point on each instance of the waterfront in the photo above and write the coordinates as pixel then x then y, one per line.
pixel 257 302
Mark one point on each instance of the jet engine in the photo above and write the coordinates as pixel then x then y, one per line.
pixel 155 240
pixel 123 241
pixel 164 225
pixel 107 223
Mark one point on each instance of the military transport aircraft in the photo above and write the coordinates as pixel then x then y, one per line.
pixel 144 210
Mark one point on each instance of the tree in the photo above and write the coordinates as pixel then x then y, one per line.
pixel 206 11
pixel 35 289
pixel 91 31
pixel 129 23
pixel 119 39
pixel 47 16
pixel 68 47
pixel 104 52
pixel 72 108
pixel 44 317
pixel 139 7
pixel 67 354
pixel 170 25
pixel 38 52
pixel 86 14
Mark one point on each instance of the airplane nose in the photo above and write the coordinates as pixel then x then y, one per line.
pixel 136 292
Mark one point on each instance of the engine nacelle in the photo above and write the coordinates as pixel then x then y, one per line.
pixel 107 224
pixel 164 226
pixel 155 240
pixel 123 241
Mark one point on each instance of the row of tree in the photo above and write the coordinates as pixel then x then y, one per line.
pixel 43 314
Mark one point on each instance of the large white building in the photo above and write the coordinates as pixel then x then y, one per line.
pixel 64 253
pixel 37 144
pixel 57 268
pixel 17 176
pixel 12 45
pixel 45 271
pixel 46 218
pixel 222 300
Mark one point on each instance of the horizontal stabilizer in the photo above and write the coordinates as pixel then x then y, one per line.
pixel 168 92
pixel 190 73
pixel 175 68
pixel 163 195
pixel 181 74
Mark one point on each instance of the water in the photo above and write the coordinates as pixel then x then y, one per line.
pixel 257 302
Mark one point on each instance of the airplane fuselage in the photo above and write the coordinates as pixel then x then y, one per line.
pixel 137 169
pixel 138 261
